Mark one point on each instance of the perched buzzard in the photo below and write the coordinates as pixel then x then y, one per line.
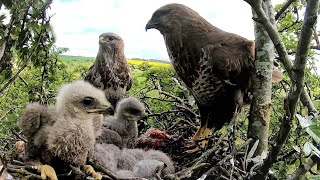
pixel 110 72
pixel 215 65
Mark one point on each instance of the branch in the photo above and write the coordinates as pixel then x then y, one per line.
pixel 26 63
pixel 296 73
pixel 284 8
pixel 204 157
pixel 304 168
pixel 234 151
pixel 281 49
pixel 157 84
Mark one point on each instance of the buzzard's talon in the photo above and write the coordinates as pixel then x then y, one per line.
pixel 47 172
pixel 198 133
pixel 205 135
pixel 204 144
pixel 89 170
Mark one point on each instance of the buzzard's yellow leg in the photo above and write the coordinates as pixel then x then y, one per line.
pixel 206 133
pixel 47 172
pixel 89 170
pixel 199 132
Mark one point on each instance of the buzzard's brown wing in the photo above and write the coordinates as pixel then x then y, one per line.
pixel 232 59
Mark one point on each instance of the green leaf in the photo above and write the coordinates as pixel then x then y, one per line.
pixel 304 122
pixel 307 149
pixel 315 177
pixel 314 132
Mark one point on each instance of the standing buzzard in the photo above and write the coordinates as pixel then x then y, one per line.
pixel 110 72
pixel 215 65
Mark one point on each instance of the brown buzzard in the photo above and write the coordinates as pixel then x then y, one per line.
pixel 110 72
pixel 215 65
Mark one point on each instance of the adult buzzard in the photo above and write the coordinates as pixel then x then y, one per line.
pixel 215 65
pixel 110 72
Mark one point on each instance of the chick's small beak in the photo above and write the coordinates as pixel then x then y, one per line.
pixel 150 25
pixel 104 109
pixel 144 114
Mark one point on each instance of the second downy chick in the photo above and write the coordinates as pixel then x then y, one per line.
pixel 121 129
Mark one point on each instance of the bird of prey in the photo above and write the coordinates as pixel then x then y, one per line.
pixel 34 122
pixel 129 157
pixel 144 164
pixel 215 65
pixel 162 157
pixel 64 134
pixel 110 72
pixel 121 129
pixel 107 155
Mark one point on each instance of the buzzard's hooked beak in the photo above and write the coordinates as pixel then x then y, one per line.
pixel 107 110
pixel 150 25
pixel 102 40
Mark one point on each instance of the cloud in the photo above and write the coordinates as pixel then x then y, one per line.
pixel 78 23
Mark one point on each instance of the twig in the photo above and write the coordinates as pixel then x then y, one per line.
pixel 165 112
pixel 24 81
pixel 304 168
pixel 281 49
pixel 284 8
pixel 209 152
pixel 295 72
pixel 157 84
pixel 26 63
pixel 4 162
pixel 18 136
pixel 186 173
pixel 234 151
pixel 6 113
pixel 100 168
pixel 22 171
pixel 179 85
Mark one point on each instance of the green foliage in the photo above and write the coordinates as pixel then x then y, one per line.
pixel 26 37
pixel 37 83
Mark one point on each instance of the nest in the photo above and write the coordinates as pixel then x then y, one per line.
pixel 222 159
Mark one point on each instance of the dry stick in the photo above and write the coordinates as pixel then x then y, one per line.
pixel 234 151
pixel 186 173
pixel 295 72
pixel 6 113
pixel 281 49
pixel 304 168
pixel 4 162
pixel 284 8
pixel 100 168
pixel 19 136
pixel 22 171
pixel 157 84
pixel 181 101
pixel 209 152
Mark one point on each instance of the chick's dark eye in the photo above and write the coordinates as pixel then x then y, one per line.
pixel 110 38
pixel 87 101
pixel 134 111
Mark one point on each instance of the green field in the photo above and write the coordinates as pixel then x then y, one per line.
pixel 87 61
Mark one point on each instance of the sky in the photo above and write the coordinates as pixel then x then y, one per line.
pixel 78 23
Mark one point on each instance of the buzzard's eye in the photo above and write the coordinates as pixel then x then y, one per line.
pixel 88 101
pixel 110 38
